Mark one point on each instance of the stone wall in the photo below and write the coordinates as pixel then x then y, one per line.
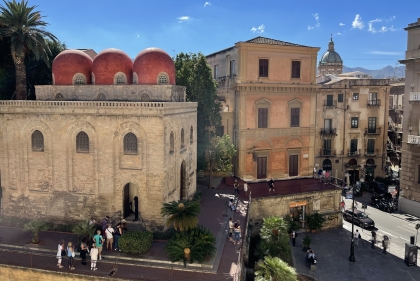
pixel 61 184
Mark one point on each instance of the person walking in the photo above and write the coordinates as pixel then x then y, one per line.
pixel 342 206
pixel 236 185
pixel 237 233
pixel 315 172
pixel 109 237
pixel 104 226
pixel 70 255
pixel 231 228
pixel 60 253
pixel 83 251
pixel 232 205
pixel 94 252
pixel 117 235
pixel 294 235
pixel 327 177
pixel 356 237
pixel 99 240
pixel 271 186
pixel 246 188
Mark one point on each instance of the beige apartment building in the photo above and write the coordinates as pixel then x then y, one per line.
pixel 352 125
pixel 409 200
pixel 268 92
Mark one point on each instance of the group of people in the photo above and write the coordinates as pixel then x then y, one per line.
pixel 107 234
pixel 322 175
pixel 235 231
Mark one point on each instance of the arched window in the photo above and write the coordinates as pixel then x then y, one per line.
pixel 135 78
pixel 145 97
pixel 93 79
pixel 171 143
pixel 59 97
pixel 101 96
pixel 163 79
pixel 182 138
pixel 191 134
pixel 82 142
pixel 79 80
pixel 130 144
pixel 120 79
pixel 37 141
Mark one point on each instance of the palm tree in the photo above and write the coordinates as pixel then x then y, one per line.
pixel 182 215
pixel 275 240
pixel 274 269
pixel 194 245
pixel 84 230
pixel 25 28
pixel 35 227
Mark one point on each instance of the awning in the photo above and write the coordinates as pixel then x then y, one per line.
pixel 297 204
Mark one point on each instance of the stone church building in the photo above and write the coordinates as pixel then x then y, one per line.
pixel 107 130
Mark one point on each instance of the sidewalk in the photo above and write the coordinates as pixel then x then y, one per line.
pixel 332 250
pixel 16 249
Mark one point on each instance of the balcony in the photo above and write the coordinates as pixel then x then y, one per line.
pixel 413 139
pixel 327 152
pixel 330 103
pixel 374 152
pixel 355 153
pixel 373 103
pixel 414 97
pixel 328 132
pixel 372 131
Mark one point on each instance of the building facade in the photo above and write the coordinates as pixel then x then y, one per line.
pixel 395 124
pixel 409 200
pixel 352 123
pixel 106 131
pixel 268 91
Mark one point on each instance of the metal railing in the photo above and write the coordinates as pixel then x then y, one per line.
pixel 372 131
pixel 372 152
pixel 376 102
pixel 356 152
pixel 415 96
pixel 332 103
pixel 413 139
pixel 327 152
pixel 328 132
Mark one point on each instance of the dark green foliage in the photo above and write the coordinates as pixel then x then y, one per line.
pixel 292 223
pixel 274 269
pixel 306 242
pixel 135 242
pixel 84 230
pixel 315 221
pixel 197 196
pixel 182 214
pixel 163 235
pixel 223 152
pixel 193 72
pixel 35 227
pixel 199 240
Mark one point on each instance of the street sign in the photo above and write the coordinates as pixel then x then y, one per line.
pixel 364 206
pixel 417 226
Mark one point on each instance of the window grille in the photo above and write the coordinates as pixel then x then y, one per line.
pixel 163 79
pixel 37 141
pixel 101 96
pixel 130 144
pixel 120 79
pixel 135 79
pixel 145 98
pixel 59 97
pixel 82 142
pixel 80 80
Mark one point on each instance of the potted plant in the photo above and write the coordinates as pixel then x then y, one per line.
pixel 35 227
pixel 315 221
pixel 306 243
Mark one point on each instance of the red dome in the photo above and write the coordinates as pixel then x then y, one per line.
pixel 108 63
pixel 152 61
pixel 69 62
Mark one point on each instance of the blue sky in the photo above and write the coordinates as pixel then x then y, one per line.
pixel 366 33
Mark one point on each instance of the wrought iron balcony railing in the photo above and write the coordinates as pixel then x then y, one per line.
pixel 372 131
pixel 328 132
pixel 327 152
pixel 376 102
pixel 355 153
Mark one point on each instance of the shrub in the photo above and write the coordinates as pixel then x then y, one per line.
pixel 135 242
pixel 306 242
pixel 163 235
pixel 292 223
pixel 35 227
pixel 315 221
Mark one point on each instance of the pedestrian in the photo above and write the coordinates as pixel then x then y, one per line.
pixel 70 255
pixel 356 237
pixel 232 205
pixel 99 240
pixel 271 186
pixel 342 206
pixel 319 174
pixel 83 251
pixel 246 188
pixel 237 233
pixel 314 172
pixel 94 252
pixel 327 177
pixel 104 226
pixel 109 237
pixel 117 235
pixel 231 228
pixel 124 227
pixel 92 221
pixel 236 185
pixel 294 235
pixel 354 205
pixel 60 253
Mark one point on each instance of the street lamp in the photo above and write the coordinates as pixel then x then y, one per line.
pixel 211 168
pixel 352 167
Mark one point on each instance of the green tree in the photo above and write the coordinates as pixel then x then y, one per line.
pixel 84 230
pixel 25 28
pixel 274 269
pixel 194 245
pixel 182 215
pixel 274 237
pixel 193 72
pixel 315 221
pixel 35 227
pixel 222 154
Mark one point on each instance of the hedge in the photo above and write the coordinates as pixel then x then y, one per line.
pixel 135 242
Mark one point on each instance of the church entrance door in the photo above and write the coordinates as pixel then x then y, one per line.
pixel 183 191
pixel 127 205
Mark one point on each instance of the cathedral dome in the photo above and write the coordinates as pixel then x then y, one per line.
pixel 71 67
pixel 153 66
pixel 331 56
pixel 112 66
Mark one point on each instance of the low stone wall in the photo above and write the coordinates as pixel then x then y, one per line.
pixel 16 273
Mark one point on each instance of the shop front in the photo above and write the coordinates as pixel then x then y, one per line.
pixel 297 212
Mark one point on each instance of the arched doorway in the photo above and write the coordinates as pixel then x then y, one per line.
pixel 327 165
pixel 370 170
pixel 353 174
pixel 182 185
pixel 128 198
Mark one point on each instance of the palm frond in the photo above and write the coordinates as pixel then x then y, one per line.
pixel 182 215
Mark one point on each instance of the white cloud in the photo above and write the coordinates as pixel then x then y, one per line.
pixel 383 29
pixel 259 29
pixel 183 19
pixel 391 18
pixel 138 35
pixel 371 28
pixel 376 20
pixel 338 33
pixel 357 23
pixel 318 24
pixel 385 53
pixel 207 4
pixel 341 24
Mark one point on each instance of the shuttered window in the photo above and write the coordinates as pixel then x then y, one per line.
pixel 262 117
pixel 293 165
pixel 294 118
pixel 261 167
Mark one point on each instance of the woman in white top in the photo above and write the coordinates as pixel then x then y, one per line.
pixel 93 257
pixel 59 250
pixel 109 232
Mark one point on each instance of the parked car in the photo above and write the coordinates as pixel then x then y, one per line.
pixel 360 218
pixel 378 187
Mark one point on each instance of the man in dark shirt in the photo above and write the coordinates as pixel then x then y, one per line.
pixel 271 186
pixel 104 225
